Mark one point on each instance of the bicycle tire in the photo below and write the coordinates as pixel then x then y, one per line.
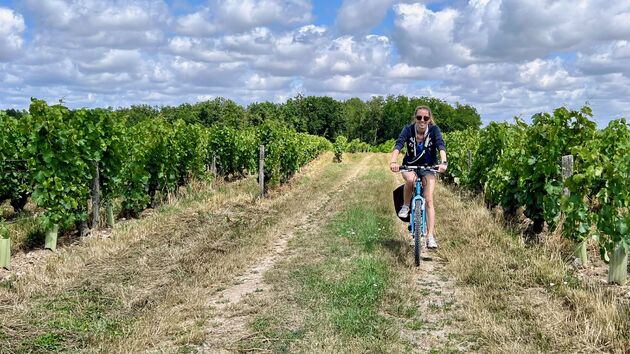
pixel 417 235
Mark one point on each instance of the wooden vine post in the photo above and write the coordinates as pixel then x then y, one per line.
pixel 261 170
pixel 567 171
pixel 96 198
pixel 213 167
pixel 109 208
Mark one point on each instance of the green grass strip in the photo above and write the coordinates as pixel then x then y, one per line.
pixel 335 292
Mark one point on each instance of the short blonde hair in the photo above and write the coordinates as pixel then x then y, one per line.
pixel 415 112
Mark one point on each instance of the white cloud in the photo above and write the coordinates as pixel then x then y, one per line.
pixel 292 52
pixel 114 60
pixel 349 56
pixel 203 74
pixel 426 38
pixel 266 82
pixel 494 30
pixel 243 14
pixel 359 16
pixel 196 24
pixel 613 57
pixel 11 28
pixel 545 75
pixel 405 71
pixel 257 41
pixel 198 49
pixel 230 16
pixel 98 23
pixel 504 57
pixel 132 17
pixel 62 72
pixel 51 13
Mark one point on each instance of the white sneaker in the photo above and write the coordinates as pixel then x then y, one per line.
pixel 404 212
pixel 431 242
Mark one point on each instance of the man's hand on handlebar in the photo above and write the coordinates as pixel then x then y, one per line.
pixel 393 166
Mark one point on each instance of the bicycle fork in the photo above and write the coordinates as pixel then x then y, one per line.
pixel 412 213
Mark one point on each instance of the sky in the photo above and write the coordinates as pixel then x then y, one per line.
pixel 506 58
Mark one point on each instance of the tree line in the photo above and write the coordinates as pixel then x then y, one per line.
pixel 374 121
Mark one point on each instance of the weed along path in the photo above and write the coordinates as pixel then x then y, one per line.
pixel 321 265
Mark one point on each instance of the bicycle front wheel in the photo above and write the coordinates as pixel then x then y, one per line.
pixel 417 235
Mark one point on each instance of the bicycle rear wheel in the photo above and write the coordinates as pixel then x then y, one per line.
pixel 417 235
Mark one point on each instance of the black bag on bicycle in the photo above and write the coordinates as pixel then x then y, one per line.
pixel 399 200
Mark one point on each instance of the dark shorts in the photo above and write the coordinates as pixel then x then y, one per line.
pixel 423 173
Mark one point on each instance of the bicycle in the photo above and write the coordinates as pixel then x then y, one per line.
pixel 417 211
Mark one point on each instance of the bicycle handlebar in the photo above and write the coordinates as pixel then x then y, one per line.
pixel 403 168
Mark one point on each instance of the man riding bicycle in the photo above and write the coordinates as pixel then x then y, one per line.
pixel 423 140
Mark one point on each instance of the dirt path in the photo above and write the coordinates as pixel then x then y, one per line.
pixel 437 299
pixel 228 326
pixel 311 297
pixel 436 295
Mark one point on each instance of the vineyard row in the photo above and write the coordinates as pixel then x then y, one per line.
pixel 53 156
pixel 518 165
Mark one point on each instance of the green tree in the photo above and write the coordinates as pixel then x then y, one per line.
pixel 397 113
pixel 355 113
pixel 219 111
pixel 185 112
pixel 323 116
pixel 139 113
pixel 373 130
pixel 464 117
pixel 260 112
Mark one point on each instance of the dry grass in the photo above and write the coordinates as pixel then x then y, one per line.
pixel 149 283
pixel 136 269
pixel 520 298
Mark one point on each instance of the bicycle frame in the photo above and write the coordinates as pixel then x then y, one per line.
pixel 417 201
pixel 418 198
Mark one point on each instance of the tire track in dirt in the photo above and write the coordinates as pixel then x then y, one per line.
pixel 230 321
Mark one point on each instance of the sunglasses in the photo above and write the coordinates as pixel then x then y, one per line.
pixel 424 118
